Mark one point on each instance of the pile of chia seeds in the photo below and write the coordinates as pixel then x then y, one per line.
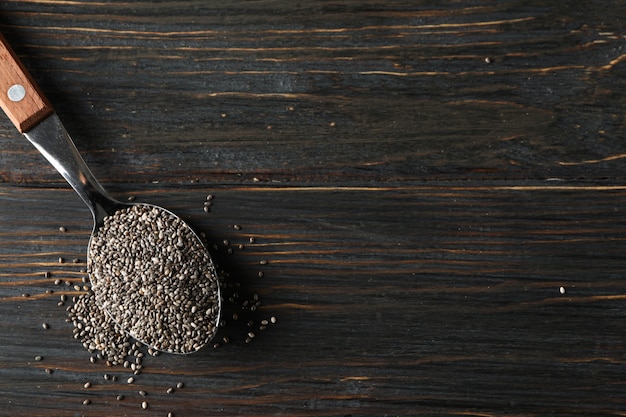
pixel 106 340
pixel 154 277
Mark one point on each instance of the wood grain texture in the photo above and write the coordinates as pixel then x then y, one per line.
pixel 422 180
pixel 399 91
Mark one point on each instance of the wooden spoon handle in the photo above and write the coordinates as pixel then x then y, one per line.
pixel 20 97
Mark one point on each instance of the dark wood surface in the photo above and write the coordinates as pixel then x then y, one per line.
pixel 421 178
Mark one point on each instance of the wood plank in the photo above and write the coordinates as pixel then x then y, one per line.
pixel 358 92
pixel 451 305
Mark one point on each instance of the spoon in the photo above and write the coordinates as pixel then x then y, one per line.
pixel 181 318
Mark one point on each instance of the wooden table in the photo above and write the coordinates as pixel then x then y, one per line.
pixel 438 191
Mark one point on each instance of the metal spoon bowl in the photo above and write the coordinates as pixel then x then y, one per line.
pixel 32 114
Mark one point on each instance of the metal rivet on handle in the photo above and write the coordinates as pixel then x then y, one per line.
pixel 16 92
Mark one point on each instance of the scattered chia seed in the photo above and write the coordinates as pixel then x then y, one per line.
pixel 46 326
pixel 62 229
pixel 49 371
pixel 145 234
pixel 38 358
pixel 87 402
pixel 61 260
pixel 151 297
